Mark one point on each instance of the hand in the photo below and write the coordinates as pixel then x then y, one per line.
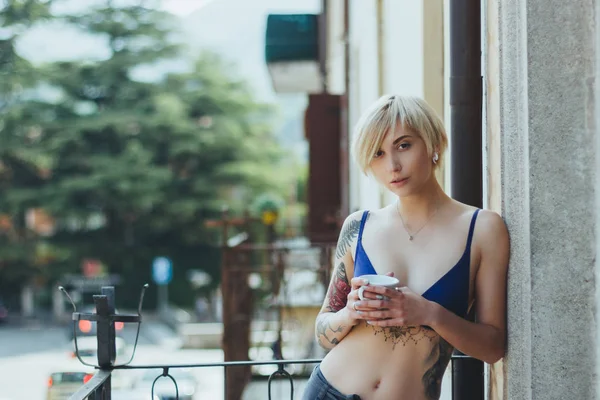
pixel 353 310
pixel 403 307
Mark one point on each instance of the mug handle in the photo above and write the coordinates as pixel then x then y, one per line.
pixel 361 293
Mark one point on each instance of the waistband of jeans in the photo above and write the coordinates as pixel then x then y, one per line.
pixel 324 380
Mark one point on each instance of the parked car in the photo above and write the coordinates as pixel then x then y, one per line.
pixel 62 384
pixel 88 328
pixel 70 376
pixel 164 389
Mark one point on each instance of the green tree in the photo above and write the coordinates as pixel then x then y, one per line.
pixel 131 167
pixel 21 167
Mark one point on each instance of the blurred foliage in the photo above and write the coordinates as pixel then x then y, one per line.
pixel 128 169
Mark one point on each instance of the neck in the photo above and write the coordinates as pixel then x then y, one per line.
pixel 422 204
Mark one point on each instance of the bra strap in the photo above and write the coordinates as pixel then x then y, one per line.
pixel 360 232
pixel 362 225
pixel 471 229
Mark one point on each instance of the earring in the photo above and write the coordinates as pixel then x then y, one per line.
pixel 435 157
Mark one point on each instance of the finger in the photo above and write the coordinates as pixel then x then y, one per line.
pixel 357 282
pixel 358 311
pixel 391 273
pixel 369 295
pixel 382 290
pixel 374 314
pixel 398 292
pixel 375 304
pixel 366 306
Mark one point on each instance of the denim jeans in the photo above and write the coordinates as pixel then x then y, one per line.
pixel 317 388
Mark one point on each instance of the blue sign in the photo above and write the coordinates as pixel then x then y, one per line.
pixel 162 270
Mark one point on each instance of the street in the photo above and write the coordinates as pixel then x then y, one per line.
pixel 30 352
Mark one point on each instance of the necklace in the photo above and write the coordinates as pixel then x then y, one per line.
pixel 411 236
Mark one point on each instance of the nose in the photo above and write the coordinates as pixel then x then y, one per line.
pixel 394 164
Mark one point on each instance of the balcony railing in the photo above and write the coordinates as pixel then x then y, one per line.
pixel 99 386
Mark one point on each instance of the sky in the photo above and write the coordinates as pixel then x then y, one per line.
pixel 183 8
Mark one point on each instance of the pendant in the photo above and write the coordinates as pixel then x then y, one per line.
pixel 410 237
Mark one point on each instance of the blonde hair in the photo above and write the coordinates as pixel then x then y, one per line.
pixel 411 112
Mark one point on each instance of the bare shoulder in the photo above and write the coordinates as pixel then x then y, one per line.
pixel 355 216
pixel 348 234
pixel 490 226
pixel 379 215
pixel 351 224
pixel 491 237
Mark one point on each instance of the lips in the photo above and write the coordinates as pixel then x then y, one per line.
pixel 399 182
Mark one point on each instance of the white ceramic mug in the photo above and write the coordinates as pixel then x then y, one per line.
pixel 377 280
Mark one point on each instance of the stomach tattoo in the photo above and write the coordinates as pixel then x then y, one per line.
pixel 404 334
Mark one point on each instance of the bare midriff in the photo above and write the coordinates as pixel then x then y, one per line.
pixel 388 363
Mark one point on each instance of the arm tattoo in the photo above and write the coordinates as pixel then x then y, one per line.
pixel 432 380
pixel 337 295
pixel 322 327
pixel 349 232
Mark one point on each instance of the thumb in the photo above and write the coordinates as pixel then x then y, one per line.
pixel 389 274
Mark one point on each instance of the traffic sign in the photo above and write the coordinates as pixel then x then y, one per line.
pixel 162 270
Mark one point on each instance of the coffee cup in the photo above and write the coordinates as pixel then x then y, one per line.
pixel 377 280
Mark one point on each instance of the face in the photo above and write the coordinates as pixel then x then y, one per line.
pixel 402 164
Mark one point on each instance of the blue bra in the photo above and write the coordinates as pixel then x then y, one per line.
pixel 450 291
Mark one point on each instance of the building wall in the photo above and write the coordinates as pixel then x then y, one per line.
pixel 363 91
pixel 396 46
pixel 492 160
pixel 540 62
pixel 335 59
pixel 540 68
pixel 544 183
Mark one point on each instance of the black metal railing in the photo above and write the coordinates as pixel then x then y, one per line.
pixel 99 387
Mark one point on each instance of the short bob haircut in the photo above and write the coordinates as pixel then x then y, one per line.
pixel 411 112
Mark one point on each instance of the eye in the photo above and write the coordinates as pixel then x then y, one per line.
pixel 404 146
pixel 378 154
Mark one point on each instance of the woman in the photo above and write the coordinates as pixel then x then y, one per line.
pixel 448 256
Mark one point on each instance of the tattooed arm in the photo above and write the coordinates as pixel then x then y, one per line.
pixel 335 319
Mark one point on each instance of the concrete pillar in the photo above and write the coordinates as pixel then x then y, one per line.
pixel 492 183
pixel 547 116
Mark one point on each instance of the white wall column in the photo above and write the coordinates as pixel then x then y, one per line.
pixel 363 91
pixel 403 54
pixel 548 118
